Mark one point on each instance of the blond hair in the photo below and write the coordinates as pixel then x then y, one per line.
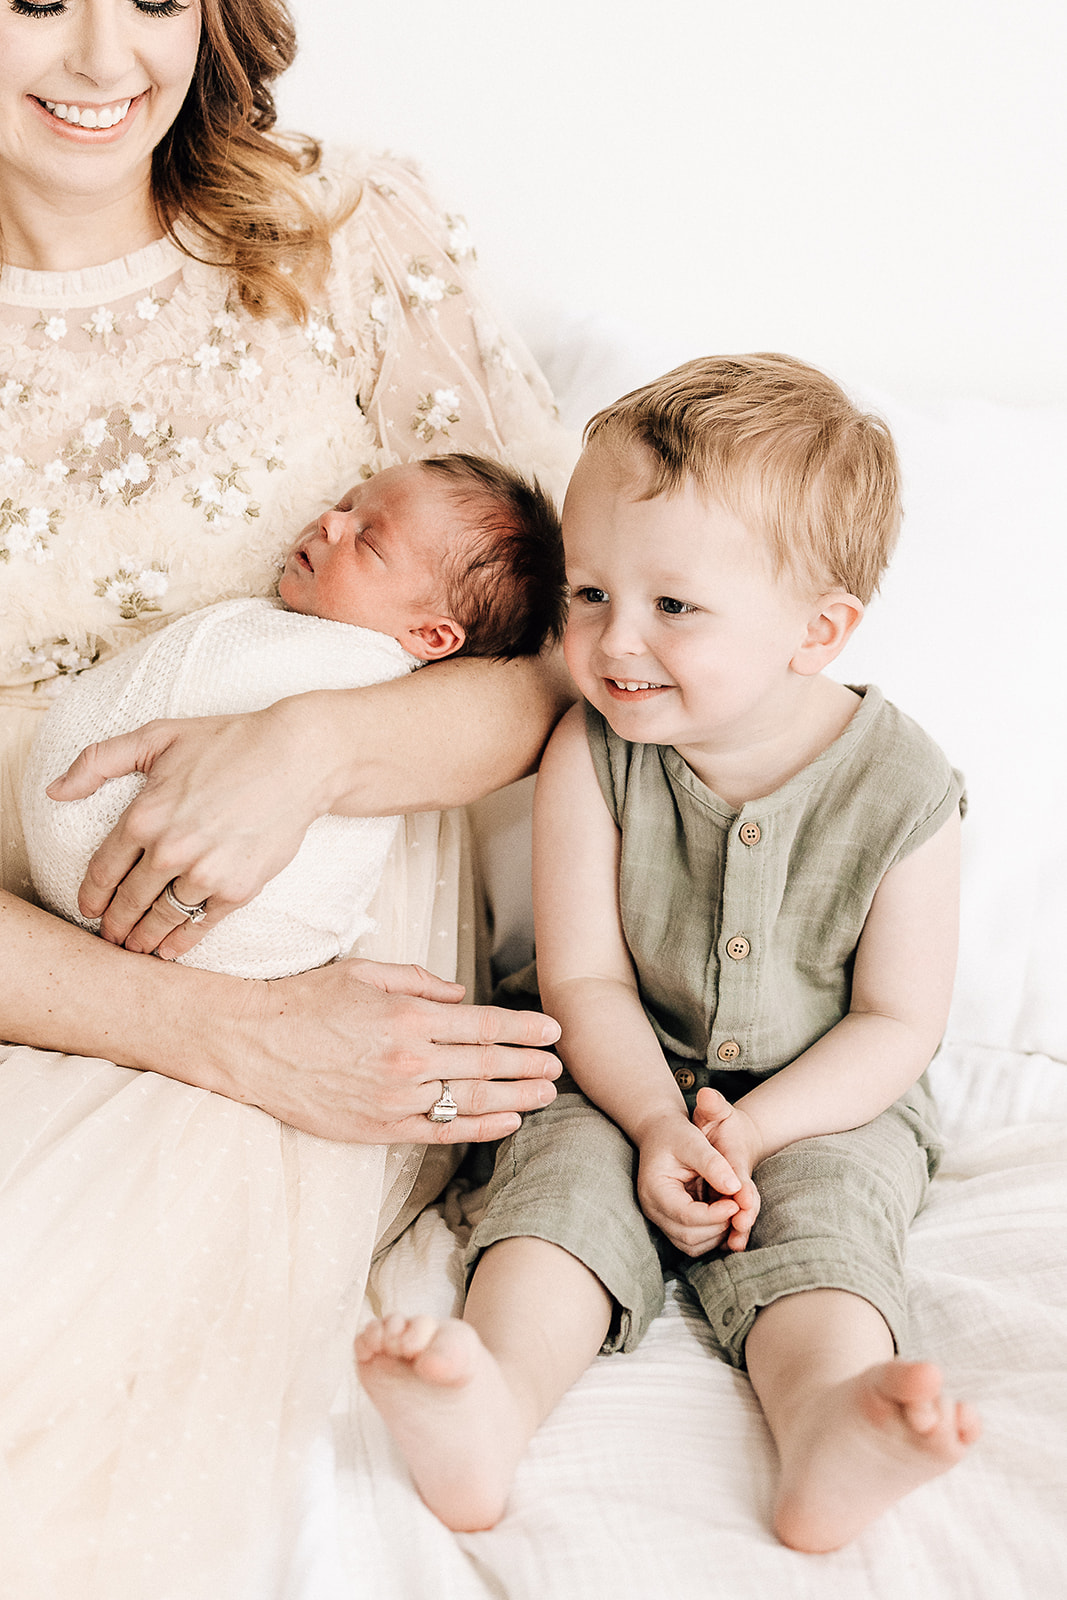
pixel 221 166
pixel 785 449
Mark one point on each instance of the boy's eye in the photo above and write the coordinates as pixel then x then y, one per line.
pixel 592 596
pixel 674 608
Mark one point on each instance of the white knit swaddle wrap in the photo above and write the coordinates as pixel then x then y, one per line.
pixel 240 655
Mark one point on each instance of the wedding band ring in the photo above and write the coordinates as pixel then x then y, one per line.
pixel 445 1109
pixel 190 913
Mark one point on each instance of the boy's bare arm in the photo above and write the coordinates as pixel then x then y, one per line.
pixel 587 983
pixel 901 992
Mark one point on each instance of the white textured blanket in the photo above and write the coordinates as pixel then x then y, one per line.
pixel 241 655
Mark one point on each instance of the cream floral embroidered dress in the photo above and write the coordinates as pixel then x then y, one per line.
pixel 180 1273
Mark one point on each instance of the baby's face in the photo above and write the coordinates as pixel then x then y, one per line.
pixel 376 559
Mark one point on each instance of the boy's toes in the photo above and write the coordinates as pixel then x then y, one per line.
pixel 402 1338
pixel 412 1338
pixel 968 1423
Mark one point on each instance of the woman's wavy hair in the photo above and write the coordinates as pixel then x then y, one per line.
pixel 222 166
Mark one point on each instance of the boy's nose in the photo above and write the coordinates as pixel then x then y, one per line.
pixel 618 637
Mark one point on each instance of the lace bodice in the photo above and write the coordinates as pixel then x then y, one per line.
pixel 160 447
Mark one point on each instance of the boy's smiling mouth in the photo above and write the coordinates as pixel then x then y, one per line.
pixel 633 688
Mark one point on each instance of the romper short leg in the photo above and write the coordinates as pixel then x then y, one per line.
pixel 567 1176
pixel 834 1214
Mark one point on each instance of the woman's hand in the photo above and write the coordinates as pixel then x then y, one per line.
pixel 225 806
pixel 359 1050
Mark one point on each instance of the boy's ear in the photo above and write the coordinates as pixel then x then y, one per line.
pixel 835 617
pixel 435 640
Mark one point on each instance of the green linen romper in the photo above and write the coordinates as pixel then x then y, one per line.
pixel 743 926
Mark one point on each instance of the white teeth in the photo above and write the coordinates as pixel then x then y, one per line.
pixel 89 116
pixel 621 684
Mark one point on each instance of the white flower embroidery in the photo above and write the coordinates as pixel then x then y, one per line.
pixel 248 369
pixel 187 449
pixel 460 243
pixel 55 471
pixel 95 432
pixel 235 502
pixel 60 658
pixel 425 288
pixel 223 497
pixel 207 357
pixel 134 593
pixel 148 308
pixel 10 465
pixel 23 530
pixel 12 391
pixel 54 328
pixel 425 291
pixel 101 324
pixel 127 478
pixel 154 583
pixel 321 337
pixel 142 423
pixel 226 436
pixel 435 413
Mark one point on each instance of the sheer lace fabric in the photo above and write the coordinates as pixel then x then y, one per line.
pixel 182 1273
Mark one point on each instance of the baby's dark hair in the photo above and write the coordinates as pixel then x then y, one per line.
pixel 506 584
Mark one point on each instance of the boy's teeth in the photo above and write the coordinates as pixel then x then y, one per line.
pixel 89 116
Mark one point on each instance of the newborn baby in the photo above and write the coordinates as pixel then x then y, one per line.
pixel 453 555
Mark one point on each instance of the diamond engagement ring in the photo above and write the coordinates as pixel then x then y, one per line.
pixel 191 913
pixel 445 1109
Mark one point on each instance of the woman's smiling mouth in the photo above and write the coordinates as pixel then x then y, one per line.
pixel 104 117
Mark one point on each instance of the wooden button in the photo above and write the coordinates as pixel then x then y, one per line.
pixel 684 1077
pixel 738 947
pixel 729 1050
pixel 749 833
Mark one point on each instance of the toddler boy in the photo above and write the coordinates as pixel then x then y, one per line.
pixel 746 903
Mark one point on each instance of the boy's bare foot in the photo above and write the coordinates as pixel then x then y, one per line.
pixel 862 1446
pixel 455 1421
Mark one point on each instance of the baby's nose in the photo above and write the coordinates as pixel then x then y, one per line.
pixel 332 525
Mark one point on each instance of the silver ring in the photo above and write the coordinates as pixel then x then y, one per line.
pixel 445 1109
pixel 191 913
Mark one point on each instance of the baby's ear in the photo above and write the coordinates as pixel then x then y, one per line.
pixel 434 640
pixel 835 617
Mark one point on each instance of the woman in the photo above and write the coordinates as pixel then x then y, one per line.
pixel 201 332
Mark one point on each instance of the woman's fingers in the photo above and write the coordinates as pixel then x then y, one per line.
pixel 212 815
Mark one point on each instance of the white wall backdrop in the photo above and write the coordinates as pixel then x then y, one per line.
pixel 880 188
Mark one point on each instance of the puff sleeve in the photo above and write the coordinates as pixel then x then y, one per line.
pixel 440 372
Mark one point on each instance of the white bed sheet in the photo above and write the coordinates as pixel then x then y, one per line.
pixel 654 1477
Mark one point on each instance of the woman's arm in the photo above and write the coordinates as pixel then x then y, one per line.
pixel 353 1051
pixel 229 799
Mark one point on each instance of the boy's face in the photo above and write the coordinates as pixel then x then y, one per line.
pixel 679 631
pixel 376 559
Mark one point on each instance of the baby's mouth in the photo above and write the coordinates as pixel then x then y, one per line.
pixel 88 116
